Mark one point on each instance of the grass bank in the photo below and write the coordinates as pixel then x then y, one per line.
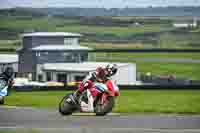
pixel 153 55
pixel 19 131
pixel 180 70
pixel 136 101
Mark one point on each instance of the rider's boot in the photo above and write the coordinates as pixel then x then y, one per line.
pixel 76 96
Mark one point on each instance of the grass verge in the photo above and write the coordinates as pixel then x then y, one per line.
pixel 181 70
pixel 135 101
pixel 19 131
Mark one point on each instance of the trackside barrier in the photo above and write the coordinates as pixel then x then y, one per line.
pixel 122 87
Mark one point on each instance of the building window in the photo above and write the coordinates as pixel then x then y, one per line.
pixel 48 76
pixel 79 78
pixel 69 57
pixel 67 41
pixel 62 77
pixel 37 53
pixel 40 78
pixel 71 41
pixel 84 57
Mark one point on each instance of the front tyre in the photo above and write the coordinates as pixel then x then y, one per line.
pixel 106 107
pixel 2 100
pixel 66 107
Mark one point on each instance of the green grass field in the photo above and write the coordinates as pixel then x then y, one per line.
pixel 20 24
pixel 152 55
pixel 9 44
pixel 136 101
pixel 181 70
pixel 119 31
pixel 67 25
pixel 19 131
pixel 166 40
pixel 163 39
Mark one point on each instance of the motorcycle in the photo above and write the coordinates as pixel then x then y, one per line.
pixel 102 104
pixel 3 90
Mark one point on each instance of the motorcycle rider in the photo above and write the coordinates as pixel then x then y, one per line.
pixel 99 75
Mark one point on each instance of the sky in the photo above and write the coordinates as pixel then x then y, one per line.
pixel 96 3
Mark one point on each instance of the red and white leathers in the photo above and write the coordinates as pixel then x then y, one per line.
pixel 88 83
pixel 99 75
pixel 110 86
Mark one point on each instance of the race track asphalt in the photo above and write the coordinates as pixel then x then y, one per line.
pixel 51 121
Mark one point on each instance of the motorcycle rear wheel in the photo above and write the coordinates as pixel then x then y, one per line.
pixel 103 109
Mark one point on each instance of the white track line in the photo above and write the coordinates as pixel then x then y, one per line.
pixel 109 114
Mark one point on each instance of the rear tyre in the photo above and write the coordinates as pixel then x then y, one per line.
pixel 66 107
pixel 103 109
pixel 2 100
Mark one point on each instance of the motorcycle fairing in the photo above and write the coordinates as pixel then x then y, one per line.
pixel 3 88
pixel 113 88
pixel 100 87
pixel 87 107
pixel 4 91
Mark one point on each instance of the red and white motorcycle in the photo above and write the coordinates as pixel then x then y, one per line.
pixel 102 104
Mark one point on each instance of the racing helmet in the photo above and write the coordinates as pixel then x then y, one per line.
pixel 9 72
pixel 100 73
pixel 111 69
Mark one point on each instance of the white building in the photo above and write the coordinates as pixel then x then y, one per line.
pixel 8 60
pixel 69 72
pixel 58 56
pixel 186 24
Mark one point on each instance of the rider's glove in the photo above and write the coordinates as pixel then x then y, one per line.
pixel 90 77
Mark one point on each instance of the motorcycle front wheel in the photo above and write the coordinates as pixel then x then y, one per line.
pixel 106 107
pixel 1 100
pixel 66 107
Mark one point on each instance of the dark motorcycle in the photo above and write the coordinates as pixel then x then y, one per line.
pixel 6 82
pixel 3 90
pixel 102 104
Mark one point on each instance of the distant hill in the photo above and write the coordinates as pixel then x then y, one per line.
pixel 66 12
